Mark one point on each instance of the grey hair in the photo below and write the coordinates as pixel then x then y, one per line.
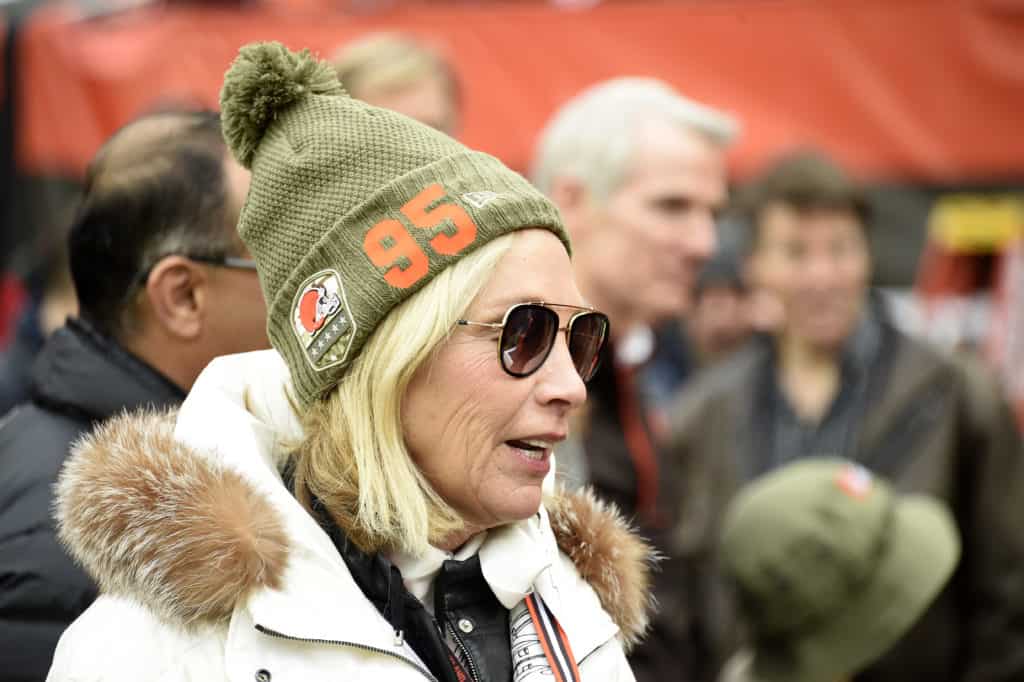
pixel 591 137
pixel 186 240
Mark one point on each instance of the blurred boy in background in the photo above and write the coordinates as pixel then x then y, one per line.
pixel 720 323
pixel 838 378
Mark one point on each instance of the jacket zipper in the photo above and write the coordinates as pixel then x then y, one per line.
pixel 273 633
pixel 465 652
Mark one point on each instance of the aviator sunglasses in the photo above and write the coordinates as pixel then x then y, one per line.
pixel 529 330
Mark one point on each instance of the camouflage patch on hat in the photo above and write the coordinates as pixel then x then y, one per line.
pixel 322 320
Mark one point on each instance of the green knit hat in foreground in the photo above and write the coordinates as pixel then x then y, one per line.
pixel 352 209
pixel 832 567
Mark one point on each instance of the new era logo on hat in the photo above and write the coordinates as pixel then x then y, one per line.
pixel 479 199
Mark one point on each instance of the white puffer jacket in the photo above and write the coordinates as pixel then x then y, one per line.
pixel 210 570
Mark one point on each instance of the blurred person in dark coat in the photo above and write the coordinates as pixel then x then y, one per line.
pixel 164 286
pixel 719 324
pixel 50 300
pixel 404 74
pixel 838 378
pixel 720 321
pixel 638 173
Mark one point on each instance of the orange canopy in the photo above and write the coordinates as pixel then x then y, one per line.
pixel 922 90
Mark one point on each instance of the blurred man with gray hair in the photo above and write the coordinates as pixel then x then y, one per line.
pixel 638 172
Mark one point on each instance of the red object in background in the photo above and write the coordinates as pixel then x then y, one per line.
pixel 1005 349
pixel 12 300
pixel 922 90
pixel 944 273
pixel 976 250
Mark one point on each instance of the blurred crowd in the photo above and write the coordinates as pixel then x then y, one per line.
pixel 831 497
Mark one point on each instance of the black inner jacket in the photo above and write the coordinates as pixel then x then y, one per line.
pixel 462 601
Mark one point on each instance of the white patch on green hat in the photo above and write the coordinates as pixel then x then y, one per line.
pixel 321 318
pixel 480 199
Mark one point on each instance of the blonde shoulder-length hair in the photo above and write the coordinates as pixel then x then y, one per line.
pixel 353 458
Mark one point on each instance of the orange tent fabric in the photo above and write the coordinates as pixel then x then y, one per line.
pixel 922 90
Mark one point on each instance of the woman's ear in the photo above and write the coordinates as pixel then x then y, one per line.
pixel 176 293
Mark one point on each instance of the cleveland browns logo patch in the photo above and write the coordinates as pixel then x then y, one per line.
pixel 322 320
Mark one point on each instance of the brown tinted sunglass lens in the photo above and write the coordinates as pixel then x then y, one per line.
pixel 587 336
pixel 527 338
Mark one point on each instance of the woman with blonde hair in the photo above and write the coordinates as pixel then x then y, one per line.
pixel 367 500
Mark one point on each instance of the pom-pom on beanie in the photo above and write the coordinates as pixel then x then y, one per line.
pixel 352 208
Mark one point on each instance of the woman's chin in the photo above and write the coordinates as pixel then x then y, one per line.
pixel 520 504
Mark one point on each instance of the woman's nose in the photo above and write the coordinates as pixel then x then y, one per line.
pixel 559 381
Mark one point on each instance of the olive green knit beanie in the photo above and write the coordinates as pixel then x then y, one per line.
pixel 352 208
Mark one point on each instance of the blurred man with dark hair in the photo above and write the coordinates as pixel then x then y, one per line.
pixel 164 286
pixel 718 325
pixel 404 74
pixel 837 378
pixel 720 322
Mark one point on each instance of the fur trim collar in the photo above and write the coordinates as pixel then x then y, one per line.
pixel 149 519
pixel 155 521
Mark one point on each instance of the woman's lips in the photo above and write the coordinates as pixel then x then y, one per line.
pixel 531 453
